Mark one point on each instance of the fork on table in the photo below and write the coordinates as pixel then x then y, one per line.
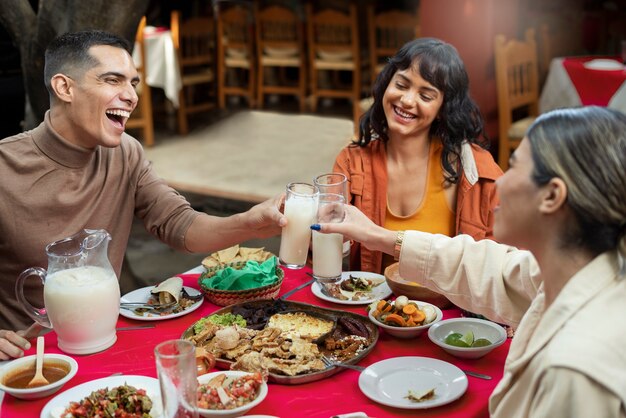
pixel 131 306
pixel 330 363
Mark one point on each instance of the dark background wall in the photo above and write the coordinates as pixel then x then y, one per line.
pixel 11 88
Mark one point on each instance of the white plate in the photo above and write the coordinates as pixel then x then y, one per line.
pixel 604 64
pixel 143 294
pixel 55 407
pixel 381 291
pixel 389 381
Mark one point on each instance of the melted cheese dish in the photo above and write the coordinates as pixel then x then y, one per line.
pixel 300 324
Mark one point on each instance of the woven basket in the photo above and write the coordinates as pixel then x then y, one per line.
pixel 230 297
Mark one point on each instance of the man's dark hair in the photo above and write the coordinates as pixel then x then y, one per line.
pixel 69 53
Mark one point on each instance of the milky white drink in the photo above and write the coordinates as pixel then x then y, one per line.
pixel 294 242
pixel 83 305
pixel 327 256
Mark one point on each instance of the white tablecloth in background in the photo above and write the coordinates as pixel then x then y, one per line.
pixel 162 68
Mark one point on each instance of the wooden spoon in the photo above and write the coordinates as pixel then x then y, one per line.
pixel 38 379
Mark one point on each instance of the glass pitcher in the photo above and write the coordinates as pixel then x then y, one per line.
pixel 81 292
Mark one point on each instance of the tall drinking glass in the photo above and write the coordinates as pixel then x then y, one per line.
pixel 328 248
pixel 300 209
pixel 336 183
pixel 176 367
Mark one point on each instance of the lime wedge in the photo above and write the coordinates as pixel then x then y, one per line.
pixel 455 339
pixel 455 336
pixel 481 342
pixel 468 338
pixel 458 343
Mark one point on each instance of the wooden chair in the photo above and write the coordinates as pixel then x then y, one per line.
pixel 333 42
pixel 235 54
pixel 518 91
pixel 141 117
pixel 194 42
pixel 280 47
pixel 388 31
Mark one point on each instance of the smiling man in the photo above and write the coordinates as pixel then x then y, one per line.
pixel 78 170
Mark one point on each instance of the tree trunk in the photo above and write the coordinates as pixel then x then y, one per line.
pixel 31 31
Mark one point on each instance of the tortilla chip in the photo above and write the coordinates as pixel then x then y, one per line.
pixel 227 255
pixel 235 254
pixel 247 253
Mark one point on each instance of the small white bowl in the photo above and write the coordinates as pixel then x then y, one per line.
pixel 408 332
pixel 10 369
pixel 481 329
pixel 236 412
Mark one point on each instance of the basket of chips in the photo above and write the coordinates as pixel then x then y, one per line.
pixel 240 274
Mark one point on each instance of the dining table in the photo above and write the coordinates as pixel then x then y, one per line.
pixel 133 354
pixel 584 81
pixel 162 68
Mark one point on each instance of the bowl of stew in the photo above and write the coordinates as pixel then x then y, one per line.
pixel 15 375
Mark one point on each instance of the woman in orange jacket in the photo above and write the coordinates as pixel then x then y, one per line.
pixel 419 161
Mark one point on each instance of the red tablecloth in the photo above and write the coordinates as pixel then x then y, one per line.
pixel 133 354
pixel 595 87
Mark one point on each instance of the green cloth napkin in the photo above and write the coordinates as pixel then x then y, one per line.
pixel 251 276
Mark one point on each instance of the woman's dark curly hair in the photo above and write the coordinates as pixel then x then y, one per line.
pixel 459 118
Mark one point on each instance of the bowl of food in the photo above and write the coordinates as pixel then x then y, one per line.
pixel 412 290
pixel 467 337
pixel 58 369
pixel 230 393
pixel 404 318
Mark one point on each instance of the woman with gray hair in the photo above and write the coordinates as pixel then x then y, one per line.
pixel 563 200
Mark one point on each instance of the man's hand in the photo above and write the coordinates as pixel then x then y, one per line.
pixel 266 218
pixel 13 344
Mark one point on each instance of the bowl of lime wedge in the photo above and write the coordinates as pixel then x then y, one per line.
pixel 467 337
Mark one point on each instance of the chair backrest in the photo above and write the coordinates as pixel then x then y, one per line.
pixel 234 28
pixel 388 31
pixel 194 40
pixel 516 75
pixel 333 31
pixel 142 115
pixel 278 27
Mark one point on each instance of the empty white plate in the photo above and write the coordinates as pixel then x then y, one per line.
pixel 604 64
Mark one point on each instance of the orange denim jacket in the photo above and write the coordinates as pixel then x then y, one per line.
pixel 366 169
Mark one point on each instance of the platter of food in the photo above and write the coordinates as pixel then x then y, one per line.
pixel 284 339
pixel 169 299
pixel 144 390
pixel 354 288
pixel 413 382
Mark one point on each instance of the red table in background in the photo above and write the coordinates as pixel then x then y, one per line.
pixel 570 83
pixel 133 354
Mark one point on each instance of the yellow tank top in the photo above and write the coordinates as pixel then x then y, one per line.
pixel 433 214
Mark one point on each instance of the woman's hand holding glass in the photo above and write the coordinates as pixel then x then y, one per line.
pixel 358 227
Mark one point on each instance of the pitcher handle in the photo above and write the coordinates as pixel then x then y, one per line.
pixel 39 315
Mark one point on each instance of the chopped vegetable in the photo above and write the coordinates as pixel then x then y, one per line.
pixel 408 309
pixel 226 319
pixel 122 401
pixel 394 319
pixel 401 301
